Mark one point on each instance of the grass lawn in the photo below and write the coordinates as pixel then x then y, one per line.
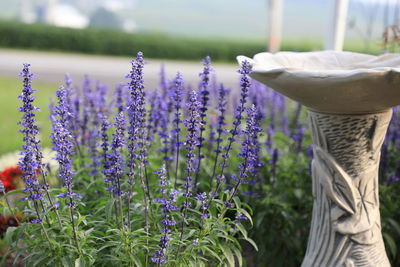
pixel 10 88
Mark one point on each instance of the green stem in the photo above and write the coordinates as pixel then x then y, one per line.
pixel 9 207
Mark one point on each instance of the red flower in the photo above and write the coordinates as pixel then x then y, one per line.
pixel 9 177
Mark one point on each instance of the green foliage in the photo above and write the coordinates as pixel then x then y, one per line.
pixel 96 231
pixel 102 241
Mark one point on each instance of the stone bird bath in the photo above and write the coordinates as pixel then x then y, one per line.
pixel 349 97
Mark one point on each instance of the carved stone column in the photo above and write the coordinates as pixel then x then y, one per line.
pixel 345 228
pixel 351 96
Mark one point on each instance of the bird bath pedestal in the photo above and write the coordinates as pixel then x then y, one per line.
pixel 349 97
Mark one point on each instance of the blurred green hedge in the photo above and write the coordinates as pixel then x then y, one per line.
pixel 109 42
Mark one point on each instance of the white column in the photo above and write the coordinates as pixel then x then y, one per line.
pixel 337 26
pixel 274 25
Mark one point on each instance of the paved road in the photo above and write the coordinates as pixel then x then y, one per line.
pixel 51 67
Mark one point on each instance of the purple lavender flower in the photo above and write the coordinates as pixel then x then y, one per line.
pixel 164 84
pixel 392 179
pixel 240 217
pixel 98 107
pixel 384 166
pixel 310 155
pixel 283 112
pixel 163 132
pixel 244 85
pixel 168 205
pixel 159 257
pixel 202 197
pixel 62 142
pixel 250 150
pixel 204 98
pixel 119 100
pixel 298 138
pixel 274 164
pixel 136 111
pixel 155 115
pixel 105 125
pixel 192 124
pixel 73 103
pixel 77 121
pixel 30 161
pixel 87 109
pixel 70 92
pixel 176 99
pixel 137 145
pixel 116 161
pixel 222 103
pixel 100 100
pixel 296 117
pixel 269 142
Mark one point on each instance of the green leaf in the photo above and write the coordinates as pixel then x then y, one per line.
pixel 238 256
pixel 136 260
pixel 228 254
pixel 251 241
pixel 390 244
pixel 205 248
pixel 245 213
pixel 242 230
pixel 13 192
pixel 395 225
pixel 109 208
pixel 10 235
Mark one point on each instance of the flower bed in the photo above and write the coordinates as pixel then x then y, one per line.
pixel 174 176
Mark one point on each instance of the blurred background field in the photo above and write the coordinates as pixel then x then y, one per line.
pixel 9 114
pixel 154 45
pixel 188 30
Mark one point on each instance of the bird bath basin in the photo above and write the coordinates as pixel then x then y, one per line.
pixel 349 97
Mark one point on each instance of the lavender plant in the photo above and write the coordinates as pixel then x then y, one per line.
pixel 244 86
pixel 177 100
pixel 192 124
pixel 31 149
pixel 204 99
pixel 62 141
pixel 222 102
pixel 164 220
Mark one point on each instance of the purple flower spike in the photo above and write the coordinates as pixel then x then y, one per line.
pixel 244 86
pixel 137 143
pixel 168 205
pixel 136 114
pixel 202 197
pixel 204 98
pixel 222 103
pixel 63 141
pixel 116 159
pixel 250 149
pixel 176 99
pixel 192 124
pixel 31 158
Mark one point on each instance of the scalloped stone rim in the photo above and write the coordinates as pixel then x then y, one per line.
pixel 330 81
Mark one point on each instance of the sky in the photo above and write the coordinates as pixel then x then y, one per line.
pixel 302 19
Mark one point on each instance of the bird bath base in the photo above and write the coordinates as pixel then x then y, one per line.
pixel 350 97
pixel 345 228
